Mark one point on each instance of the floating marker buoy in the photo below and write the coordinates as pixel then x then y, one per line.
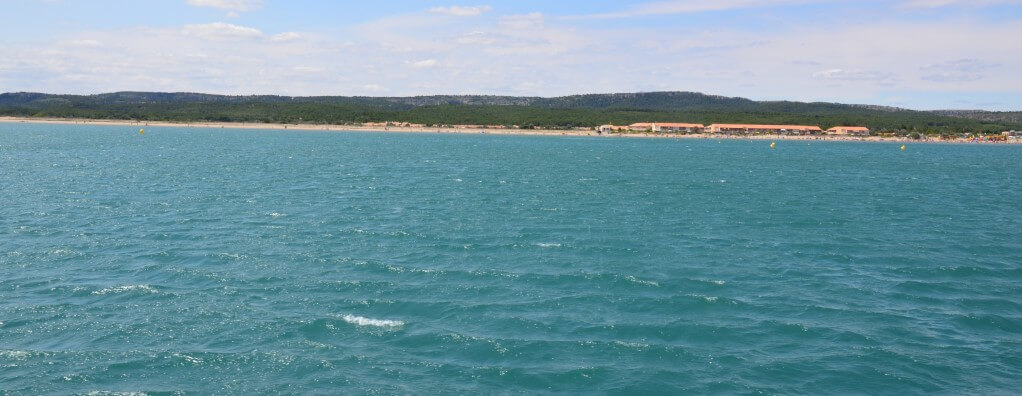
pixel 141 131
pixel 772 144
pixel 903 147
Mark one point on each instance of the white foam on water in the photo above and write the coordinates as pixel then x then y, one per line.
pixel 276 214
pixel 633 279
pixel 125 288
pixel 548 245
pixel 364 321
pixel 633 345
pixel 11 354
pixel 190 359
pixel 718 282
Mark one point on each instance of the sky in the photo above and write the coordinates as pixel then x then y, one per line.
pixel 919 54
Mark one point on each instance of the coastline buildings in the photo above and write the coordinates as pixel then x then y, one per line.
pixel 611 128
pixel 676 127
pixel 746 129
pixel 848 130
pixel 661 127
pixel 733 129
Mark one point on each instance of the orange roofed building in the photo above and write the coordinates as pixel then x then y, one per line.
pixel 756 128
pixel 673 127
pixel 847 130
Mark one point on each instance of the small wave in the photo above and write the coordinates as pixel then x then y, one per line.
pixel 232 256
pixel 363 321
pixel 62 252
pixel 709 299
pixel 126 288
pixel 276 214
pixel 633 279
pixel 15 355
pixel 633 345
pixel 190 359
pixel 548 245
pixel 718 282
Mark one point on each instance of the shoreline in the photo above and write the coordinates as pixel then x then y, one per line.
pixel 478 131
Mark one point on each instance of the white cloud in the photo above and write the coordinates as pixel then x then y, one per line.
pixel 229 5
pixel 855 75
pixel 221 30
pixel 694 6
pixel 286 36
pixel 423 63
pixel 461 11
pixel 308 69
pixel 948 3
pixel 534 20
pixel 83 43
pixel 960 70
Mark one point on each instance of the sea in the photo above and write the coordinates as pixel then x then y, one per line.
pixel 229 261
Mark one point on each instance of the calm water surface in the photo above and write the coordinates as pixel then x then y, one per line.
pixel 247 261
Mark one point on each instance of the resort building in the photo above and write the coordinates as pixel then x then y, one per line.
pixel 676 127
pixel 746 129
pixel 849 130
pixel 611 128
pixel 668 127
pixel 642 127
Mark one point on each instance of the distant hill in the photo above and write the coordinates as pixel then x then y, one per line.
pixel 1008 117
pixel 558 112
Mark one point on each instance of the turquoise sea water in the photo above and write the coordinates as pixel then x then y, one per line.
pixel 248 261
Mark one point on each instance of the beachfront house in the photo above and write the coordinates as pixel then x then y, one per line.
pixel 611 128
pixel 677 127
pixel 643 127
pixel 849 131
pixel 748 129
pixel 666 127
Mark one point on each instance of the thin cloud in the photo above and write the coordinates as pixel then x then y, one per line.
pixel 221 30
pixel 229 5
pixel 694 6
pixel 286 36
pixel 424 63
pixel 461 11
pixel 961 70
pixel 534 20
pixel 950 3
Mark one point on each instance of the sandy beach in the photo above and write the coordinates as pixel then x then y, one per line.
pixel 491 131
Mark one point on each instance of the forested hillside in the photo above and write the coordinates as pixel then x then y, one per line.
pixel 559 112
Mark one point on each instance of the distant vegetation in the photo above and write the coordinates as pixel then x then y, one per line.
pixel 560 112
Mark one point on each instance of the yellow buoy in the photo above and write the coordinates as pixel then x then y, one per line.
pixel 772 144
pixel 141 131
pixel 903 147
